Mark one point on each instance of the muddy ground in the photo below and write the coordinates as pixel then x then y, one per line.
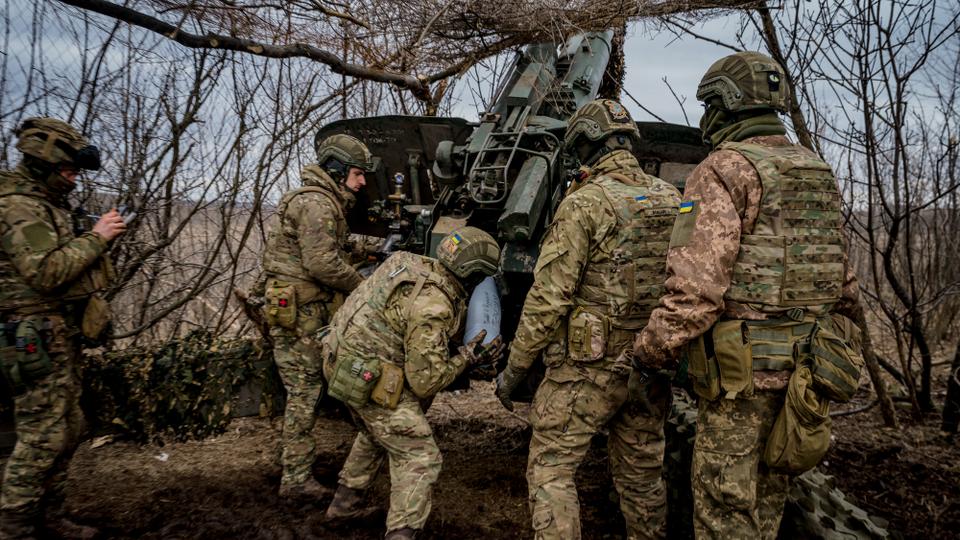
pixel 225 487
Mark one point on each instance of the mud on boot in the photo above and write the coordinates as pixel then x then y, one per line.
pixel 311 489
pixel 405 533
pixel 348 503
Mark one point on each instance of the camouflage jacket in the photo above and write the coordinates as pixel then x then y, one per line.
pixel 405 313
pixel 581 240
pixel 42 262
pixel 726 190
pixel 307 245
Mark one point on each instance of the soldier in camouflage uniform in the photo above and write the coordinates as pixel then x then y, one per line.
pixel 49 275
pixel 756 255
pixel 308 275
pixel 599 275
pixel 399 323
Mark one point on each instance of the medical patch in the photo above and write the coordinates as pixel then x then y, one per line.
pixel 686 207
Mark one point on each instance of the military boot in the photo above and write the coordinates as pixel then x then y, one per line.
pixel 405 533
pixel 311 489
pixel 348 504
pixel 19 526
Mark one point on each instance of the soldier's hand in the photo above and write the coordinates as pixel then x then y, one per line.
pixel 477 354
pixel 110 225
pixel 508 380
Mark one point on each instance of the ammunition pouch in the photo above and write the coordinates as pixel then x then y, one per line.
pixel 587 334
pixel 801 433
pixel 352 379
pixel 281 304
pixel 720 364
pixel 23 357
pixel 835 358
pixel 96 317
pixel 389 387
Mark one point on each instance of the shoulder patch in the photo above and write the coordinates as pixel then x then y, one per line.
pixel 686 207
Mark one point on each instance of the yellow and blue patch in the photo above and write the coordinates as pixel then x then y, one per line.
pixel 456 239
pixel 639 198
pixel 686 207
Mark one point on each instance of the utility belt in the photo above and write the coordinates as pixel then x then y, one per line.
pixel 593 335
pixel 358 379
pixel 24 350
pixel 283 295
pixel 721 362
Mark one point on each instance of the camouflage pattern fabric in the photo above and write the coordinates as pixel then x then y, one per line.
pixel 735 495
pixel 722 202
pixel 391 319
pixel 49 425
pixel 600 261
pixel 308 249
pixel 185 388
pixel 570 407
pixel 404 435
pixel 298 361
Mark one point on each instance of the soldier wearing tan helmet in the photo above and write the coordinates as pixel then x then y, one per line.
pixel 308 274
pixel 600 273
pixel 387 352
pixel 50 280
pixel 757 272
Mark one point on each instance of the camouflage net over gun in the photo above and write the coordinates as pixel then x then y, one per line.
pixel 187 388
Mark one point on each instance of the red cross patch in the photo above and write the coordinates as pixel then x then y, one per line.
pixel 367 376
pixel 283 302
pixel 31 348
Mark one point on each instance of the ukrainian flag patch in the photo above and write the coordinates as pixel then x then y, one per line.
pixel 456 239
pixel 639 198
pixel 686 207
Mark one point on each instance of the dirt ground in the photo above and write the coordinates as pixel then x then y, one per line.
pixel 225 487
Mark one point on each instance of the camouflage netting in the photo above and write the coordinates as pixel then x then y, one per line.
pixel 815 507
pixel 189 388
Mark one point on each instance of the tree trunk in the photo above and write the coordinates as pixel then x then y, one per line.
pixel 951 408
pixel 873 368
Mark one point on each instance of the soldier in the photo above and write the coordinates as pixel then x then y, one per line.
pixel 388 349
pixel 307 277
pixel 755 257
pixel 50 277
pixel 599 275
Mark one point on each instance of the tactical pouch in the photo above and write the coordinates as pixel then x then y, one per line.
pixel 96 317
pixel 731 345
pixel 703 370
pixel 586 336
pixel 353 380
pixel 386 392
pixel 836 358
pixel 801 433
pixel 281 307
pixel 32 361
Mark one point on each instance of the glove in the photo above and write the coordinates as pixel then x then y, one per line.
pixel 507 381
pixel 476 354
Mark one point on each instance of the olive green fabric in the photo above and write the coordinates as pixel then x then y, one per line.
pixel 794 257
pixel 744 81
pixel 835 358
pixel 44 138
pixel 801 433
pixel 720 126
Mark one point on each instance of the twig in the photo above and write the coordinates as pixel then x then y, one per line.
pixel 646 110
pixel 849 412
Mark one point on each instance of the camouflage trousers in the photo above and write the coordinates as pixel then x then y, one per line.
pixel 404 436
pixel 734 494
pixel 298 361
pixel 571 406
pixel 49 426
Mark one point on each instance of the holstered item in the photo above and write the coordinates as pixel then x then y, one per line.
pixel 836 358
pixel 96 317
pixel 731 344
pixel 389 387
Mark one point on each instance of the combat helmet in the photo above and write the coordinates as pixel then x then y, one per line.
pixel 598 120
pixel 56 143
pixel 338 152
pixel 468 250
pixel 745 81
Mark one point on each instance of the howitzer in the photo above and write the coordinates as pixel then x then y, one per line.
pixel 506 173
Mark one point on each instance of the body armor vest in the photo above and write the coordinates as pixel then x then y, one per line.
pixel 794 258
pixel 15 293
pixel 362 325
pixel 282 256
pixel 624 277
